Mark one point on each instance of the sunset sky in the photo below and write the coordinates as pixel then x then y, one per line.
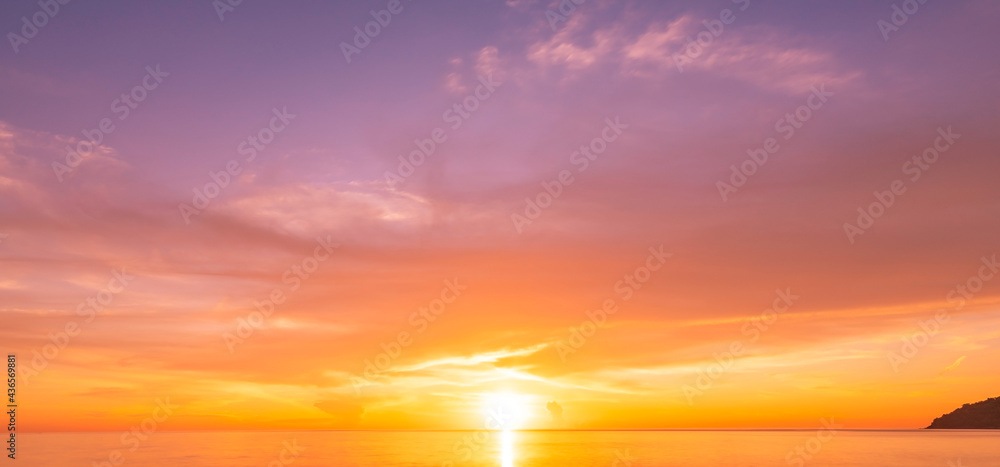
pixel 486 285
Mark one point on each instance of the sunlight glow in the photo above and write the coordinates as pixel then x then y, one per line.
pixel 506 411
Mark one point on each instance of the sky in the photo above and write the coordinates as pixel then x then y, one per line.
pixel 261 217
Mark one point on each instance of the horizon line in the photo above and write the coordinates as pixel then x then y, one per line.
pixel 397 430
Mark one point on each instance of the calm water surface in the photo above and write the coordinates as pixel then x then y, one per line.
pixel 516 449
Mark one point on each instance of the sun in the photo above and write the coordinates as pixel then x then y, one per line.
pixel 506 411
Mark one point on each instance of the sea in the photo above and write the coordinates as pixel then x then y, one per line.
pixel 702 448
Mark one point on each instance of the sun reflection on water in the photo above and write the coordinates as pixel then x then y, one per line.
pixel 507 448
pixel 506 412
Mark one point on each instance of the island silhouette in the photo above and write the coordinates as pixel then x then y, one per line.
pixel 983 415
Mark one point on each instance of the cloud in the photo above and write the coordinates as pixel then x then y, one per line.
pixel 486 63
pixel 344 412
pixel 556 412
pixel 654 45
pixel 27 175
pixel 453 83
pixel 761 55
pixel 520 5
pixel 764 57
pixel 574 49
pixel 311 209
pixel 492 357
pixel 953 365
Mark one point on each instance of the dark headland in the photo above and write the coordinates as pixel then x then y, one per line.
pixel 983 415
